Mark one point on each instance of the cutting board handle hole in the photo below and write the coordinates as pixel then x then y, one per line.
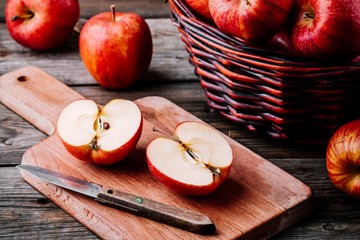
pixel 110 191
pixel 22 78
pixel 43 200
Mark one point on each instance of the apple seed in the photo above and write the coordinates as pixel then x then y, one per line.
pixel 99 125
pixel 106 125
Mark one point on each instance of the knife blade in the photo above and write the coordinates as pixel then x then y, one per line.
pixel 185 219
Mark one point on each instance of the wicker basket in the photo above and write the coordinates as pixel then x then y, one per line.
pixel 269 92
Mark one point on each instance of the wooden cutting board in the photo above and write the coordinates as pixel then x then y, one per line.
pixel 257 200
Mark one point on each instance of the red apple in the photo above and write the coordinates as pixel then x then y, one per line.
pixel 200 8
pixel 116 48
pixel 326 29
pixel 343 158
pixel 251 20
pixel 100 135
pixel 41 24
pixel 280 42
pixel 194 162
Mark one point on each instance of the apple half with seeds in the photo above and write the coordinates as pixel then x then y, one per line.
pixel 194 161
pixel 100 134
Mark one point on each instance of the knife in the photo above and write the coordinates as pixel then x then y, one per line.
pixel 177 217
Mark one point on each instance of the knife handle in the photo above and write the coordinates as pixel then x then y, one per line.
pixel 177 217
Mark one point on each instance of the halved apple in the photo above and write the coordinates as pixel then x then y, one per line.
pixel 195 161
pixel 100 135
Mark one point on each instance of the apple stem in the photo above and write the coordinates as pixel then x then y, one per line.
pixel 159 131
pixel 24 16
pixel 308 15
pixel 112 8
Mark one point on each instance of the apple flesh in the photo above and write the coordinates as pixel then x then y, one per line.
pixel 194 162
pixel 326 29
pixel 250 20
pixel 116 48
pixel 343 158
pixel 41 24
pixel 100 135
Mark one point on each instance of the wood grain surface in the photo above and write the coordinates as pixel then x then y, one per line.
pixel 27 214
pixel 145 8
pixel 263 198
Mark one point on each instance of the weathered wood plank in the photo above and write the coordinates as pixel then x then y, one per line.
pixel 24 209
pixel 16 135
pixel 27 214
pixel 169 61
pixel 145 8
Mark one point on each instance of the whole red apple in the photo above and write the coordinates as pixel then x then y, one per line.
pixel 343 158
pixel 200 8
pixel 116 48
pixel 41 24
pixel 326 29
pixel 251 20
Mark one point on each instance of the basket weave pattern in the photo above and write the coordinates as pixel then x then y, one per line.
pixel 275 94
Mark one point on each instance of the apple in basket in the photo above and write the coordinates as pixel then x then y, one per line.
pixel 323 29
pixel 200 8
pixel 100 134
pixel 41 24
pixel 343 158
pixel 250 20
pixel 195 161
pixel 280 42
pixel 116 48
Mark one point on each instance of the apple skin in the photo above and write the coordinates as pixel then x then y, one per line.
pixel 48 24
pixel 280 42
pixel 116 53
pixel 100 156
pixel 343 158
pixel 334 32
pixel 201 9
pixel 250 20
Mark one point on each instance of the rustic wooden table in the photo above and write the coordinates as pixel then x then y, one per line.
pixel 27 214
